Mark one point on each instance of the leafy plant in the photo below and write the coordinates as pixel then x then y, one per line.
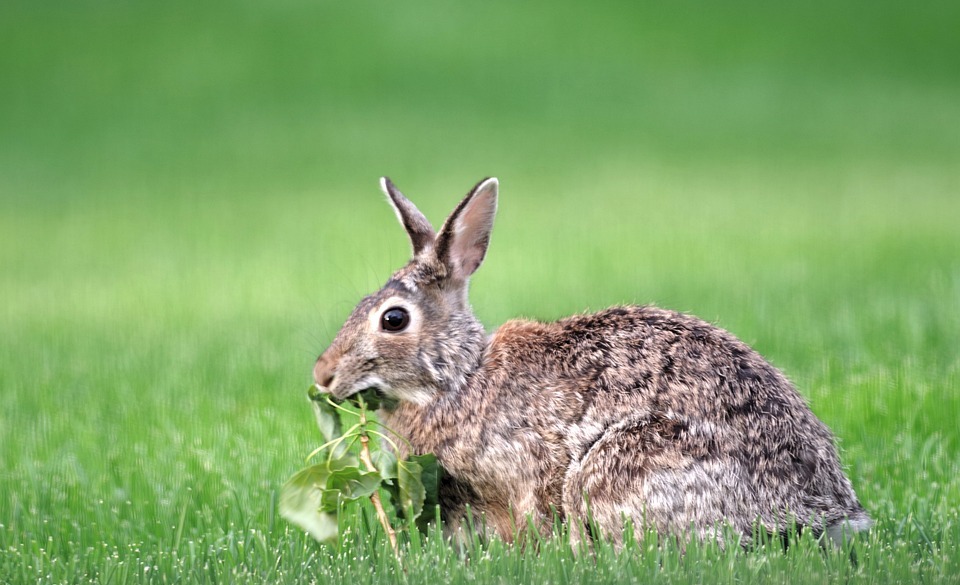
pixel 355 464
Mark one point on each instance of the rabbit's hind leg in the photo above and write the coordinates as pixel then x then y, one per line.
pixel 648 473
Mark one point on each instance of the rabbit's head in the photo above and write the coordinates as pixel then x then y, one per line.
pixel 417 336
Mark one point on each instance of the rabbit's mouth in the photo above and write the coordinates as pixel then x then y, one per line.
pixel 371 398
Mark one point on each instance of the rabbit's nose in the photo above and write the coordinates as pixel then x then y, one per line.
pixel 323 374
pixel 327 380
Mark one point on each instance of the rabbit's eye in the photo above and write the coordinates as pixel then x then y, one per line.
pixel 395 319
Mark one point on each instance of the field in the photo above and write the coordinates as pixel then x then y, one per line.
pixel 189 209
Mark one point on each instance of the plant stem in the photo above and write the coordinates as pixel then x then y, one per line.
pixel 375 496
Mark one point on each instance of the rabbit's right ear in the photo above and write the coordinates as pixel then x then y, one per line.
pixel 464 237
pixel 418 228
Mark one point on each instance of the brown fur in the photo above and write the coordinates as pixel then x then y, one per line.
pixel 632 413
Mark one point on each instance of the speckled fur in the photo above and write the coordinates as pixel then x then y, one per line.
pixel 633 413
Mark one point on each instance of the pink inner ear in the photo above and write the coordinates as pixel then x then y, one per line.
pixel 472 232
pixel 469 261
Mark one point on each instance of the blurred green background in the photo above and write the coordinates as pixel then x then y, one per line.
pixel 189 208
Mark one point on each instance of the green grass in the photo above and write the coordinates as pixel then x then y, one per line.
pixel 189 208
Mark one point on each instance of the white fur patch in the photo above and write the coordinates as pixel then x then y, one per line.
pixel 369 381
pixel 843 530
pixel 417 396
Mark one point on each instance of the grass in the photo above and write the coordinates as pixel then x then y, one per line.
pixel 188 210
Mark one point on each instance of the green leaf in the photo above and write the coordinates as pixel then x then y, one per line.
pixel 430 476
pixel 300 502
pixel 386 463
pixel 348 485
pixel 328 419
pixel 410 492
pixel 416 489
pixel 314 393
pixel 342 462
pixel 372 399
pixel 368 399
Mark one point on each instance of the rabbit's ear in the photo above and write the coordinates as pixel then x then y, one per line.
pixel 418 228
pixel 464 237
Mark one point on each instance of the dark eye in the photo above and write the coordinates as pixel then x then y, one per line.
pixel 395 319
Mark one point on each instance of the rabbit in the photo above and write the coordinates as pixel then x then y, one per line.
pixel 632 414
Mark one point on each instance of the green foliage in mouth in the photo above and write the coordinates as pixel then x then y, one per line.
pixel 357 460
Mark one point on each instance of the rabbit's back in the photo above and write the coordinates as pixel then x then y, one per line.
pixel 630 361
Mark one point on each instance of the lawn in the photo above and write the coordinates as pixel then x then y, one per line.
pixel 189 209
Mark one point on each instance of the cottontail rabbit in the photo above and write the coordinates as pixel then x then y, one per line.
pixel 630 414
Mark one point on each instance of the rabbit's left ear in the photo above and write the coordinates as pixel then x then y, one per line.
pixel 462 241
pixel 418 228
